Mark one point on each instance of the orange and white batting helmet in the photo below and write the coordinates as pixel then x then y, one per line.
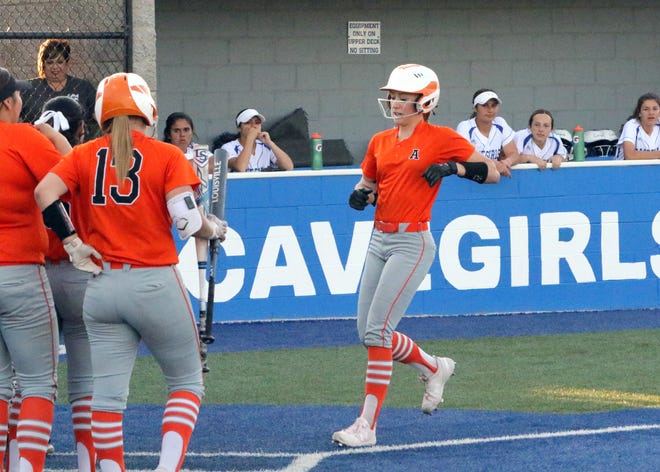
pixel 124 94
pixel 417 79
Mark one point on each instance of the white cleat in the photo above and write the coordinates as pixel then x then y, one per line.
pixel 359 434
pixel 435 384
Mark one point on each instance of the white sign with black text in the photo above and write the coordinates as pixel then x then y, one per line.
pixel 364 37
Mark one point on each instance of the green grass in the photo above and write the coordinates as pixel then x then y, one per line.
pixel 546 374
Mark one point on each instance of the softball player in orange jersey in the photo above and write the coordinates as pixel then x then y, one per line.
pixel 28 328
pixel 401 174
pixel 64 116
pixel 135 188
pixel 68 285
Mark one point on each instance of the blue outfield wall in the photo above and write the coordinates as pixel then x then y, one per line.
pixel 584 237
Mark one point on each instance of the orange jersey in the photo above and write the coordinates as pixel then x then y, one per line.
pixel 404 196
pixel 127 223
pixel 26 156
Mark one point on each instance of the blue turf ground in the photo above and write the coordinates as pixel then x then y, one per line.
pixel 297 439
pixel 246 438
pixel 233 337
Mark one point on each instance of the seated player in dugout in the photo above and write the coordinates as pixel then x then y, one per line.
pixel 253 150
pixel 640 134
pixel 538 144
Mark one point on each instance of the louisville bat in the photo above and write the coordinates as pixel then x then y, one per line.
pixel 217 199
pixel 202 162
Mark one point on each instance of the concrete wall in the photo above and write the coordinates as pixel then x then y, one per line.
pixel 144 43
pixel 587 61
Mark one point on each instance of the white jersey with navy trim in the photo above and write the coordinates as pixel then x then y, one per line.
pixel 634 133
pixel 490 146
pixel 263 157
pixel 525 144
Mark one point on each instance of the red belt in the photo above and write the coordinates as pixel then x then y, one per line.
pixel 387 227
pixel 121 265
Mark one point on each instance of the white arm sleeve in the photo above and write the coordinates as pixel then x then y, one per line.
pixel 185 215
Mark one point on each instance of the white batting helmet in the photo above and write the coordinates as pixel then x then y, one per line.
pixel 124 94
pixel 417 79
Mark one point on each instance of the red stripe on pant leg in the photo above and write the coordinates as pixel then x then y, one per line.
pixel 403 287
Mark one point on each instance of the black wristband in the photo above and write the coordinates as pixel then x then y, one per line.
pixel 476 171
pixel 57 219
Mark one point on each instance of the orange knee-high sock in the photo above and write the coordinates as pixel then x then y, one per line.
pixel 11 452
pixel 81 415
pixel 35 422
pixel 379 373
pixel 179 421
pixel 406 351
pixel 4 420
pixel 108 436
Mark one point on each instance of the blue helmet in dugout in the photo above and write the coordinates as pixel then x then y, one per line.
pixel 416 79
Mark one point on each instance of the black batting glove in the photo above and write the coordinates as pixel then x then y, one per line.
pixel 435 172
pixel 358 199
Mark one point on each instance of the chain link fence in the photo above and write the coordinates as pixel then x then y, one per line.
pixel 98 32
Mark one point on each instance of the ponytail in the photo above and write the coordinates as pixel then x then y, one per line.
pixel 121 145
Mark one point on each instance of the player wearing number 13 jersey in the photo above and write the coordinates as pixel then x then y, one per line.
pixel 127 222
pixel 131 189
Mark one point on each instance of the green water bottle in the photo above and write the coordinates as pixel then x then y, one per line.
pixel 317 151
pixel 578 144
